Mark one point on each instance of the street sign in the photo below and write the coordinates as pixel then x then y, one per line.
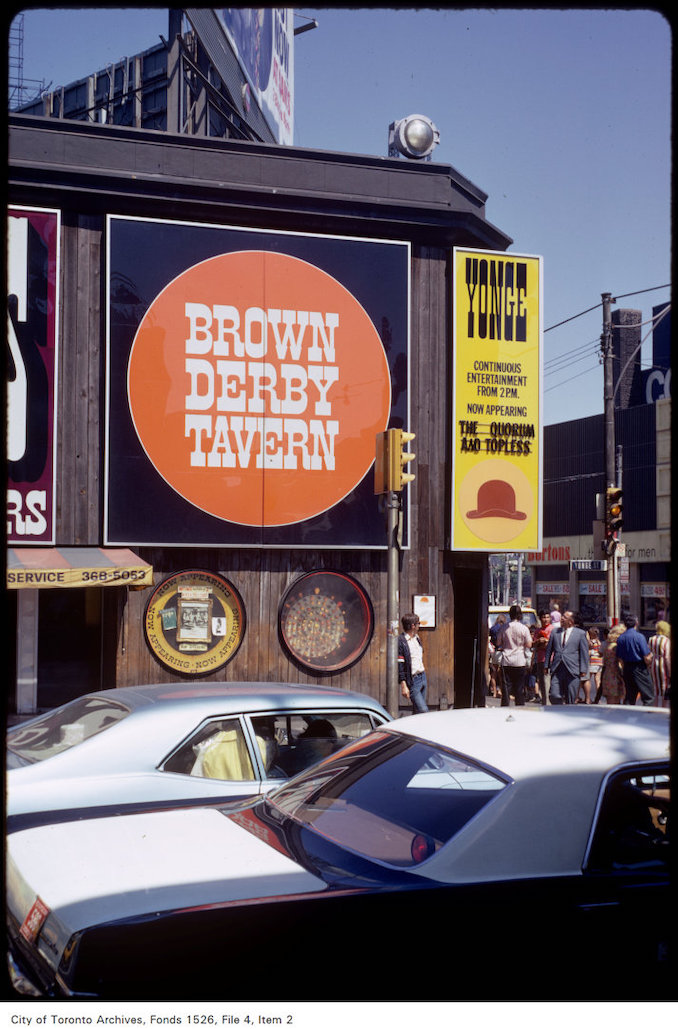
pixel 588 566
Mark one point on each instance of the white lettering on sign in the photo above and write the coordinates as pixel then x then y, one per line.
pixel 254 405
pixel 26 514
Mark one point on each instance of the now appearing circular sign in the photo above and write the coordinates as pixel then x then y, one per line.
pixel 194 622
pixel 257 384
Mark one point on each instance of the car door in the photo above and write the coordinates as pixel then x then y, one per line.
pixel 626 871
pixel 217 760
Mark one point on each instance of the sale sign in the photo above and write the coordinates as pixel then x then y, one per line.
pixel 497 402
pixel 248 384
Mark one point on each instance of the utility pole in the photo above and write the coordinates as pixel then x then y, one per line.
pixel 392 601
pixel 610 450
pixel 391 460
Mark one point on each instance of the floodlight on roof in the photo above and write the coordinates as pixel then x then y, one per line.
pixel 413 137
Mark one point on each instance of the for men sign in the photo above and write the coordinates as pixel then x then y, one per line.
pixel 497 407
pixel 247 383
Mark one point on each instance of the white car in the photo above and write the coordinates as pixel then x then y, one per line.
pixel 121 750
pixel 522 849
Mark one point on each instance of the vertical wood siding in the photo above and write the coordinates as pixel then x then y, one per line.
pixel 260 576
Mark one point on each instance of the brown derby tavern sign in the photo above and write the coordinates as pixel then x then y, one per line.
pixel 249 373
pixel 194 622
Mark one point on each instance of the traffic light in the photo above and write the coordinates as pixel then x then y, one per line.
pixel 402 458
pixel 391 460
pixel 613 511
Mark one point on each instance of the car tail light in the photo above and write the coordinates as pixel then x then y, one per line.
pixel 422 847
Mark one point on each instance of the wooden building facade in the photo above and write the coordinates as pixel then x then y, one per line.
pixel 73 640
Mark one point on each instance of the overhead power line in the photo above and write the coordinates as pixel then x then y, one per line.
pixel 620 296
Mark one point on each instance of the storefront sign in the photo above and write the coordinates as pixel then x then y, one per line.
pixel 32 306
pixel 497 410
pixel 655 589
pixel 593 589
pixel 30 568
pixel 248 382
pixel 194 622
pixel 553 589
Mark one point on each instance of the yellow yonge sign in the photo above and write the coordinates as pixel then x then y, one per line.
pixel 497 404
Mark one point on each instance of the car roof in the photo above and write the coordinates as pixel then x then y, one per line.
pixel 507 607
pixel 526 742
pixel 236 696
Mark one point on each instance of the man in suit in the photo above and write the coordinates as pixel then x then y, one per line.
pixel 567 659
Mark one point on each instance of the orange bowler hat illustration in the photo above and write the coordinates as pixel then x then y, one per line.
pixel 496 499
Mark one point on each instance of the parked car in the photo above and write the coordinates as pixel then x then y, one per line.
pixel 528 613
pixel 454 855
pixel 126 748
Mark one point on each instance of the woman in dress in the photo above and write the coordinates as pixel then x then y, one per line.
pixel 612 679
pixel 595 663
pixel 660 669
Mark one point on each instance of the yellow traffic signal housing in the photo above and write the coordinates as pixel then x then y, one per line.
pixel 401 458
pixel 613 510
pixel 391 460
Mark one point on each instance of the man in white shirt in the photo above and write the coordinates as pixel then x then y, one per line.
pixel 411 671
pixel 515 642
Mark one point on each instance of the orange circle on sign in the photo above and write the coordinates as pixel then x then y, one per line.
pixel 257 384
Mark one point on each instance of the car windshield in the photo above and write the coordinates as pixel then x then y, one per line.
pixel 388 797
pixel 529 617
pixel 58 730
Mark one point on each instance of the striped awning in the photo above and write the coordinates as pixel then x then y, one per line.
pixel 30 568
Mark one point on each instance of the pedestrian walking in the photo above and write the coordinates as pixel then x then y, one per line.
pixel 567 659
pixel 595 664
pixel 541 638
pixel 516 646
pixel 660 669
pixel 611 678
pixel 635 656
pixel 411 671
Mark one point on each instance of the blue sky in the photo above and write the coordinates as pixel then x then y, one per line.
pixel 561 116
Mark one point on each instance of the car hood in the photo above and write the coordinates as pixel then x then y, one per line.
pixel 106 869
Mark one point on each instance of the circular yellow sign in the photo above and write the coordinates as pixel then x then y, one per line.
pixel 194 622
pixel 495 500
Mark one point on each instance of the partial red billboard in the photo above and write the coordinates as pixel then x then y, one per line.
pixel 32 319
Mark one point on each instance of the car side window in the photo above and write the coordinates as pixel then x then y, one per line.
pixel 218 750
pixel 291 742
pixel 633 826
